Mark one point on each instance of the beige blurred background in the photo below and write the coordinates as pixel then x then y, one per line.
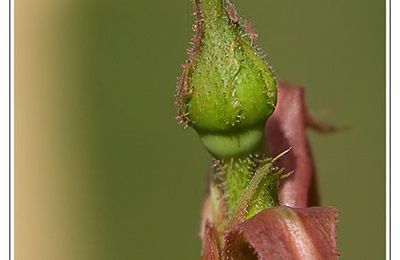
pixel 102 171
pixel 50 157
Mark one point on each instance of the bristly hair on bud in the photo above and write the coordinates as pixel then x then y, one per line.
pixel 226 91
pixel 181 93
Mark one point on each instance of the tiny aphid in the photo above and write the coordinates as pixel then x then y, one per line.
pixel 230 9
pixel 250 30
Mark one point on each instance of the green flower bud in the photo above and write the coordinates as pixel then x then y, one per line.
pixel 227 90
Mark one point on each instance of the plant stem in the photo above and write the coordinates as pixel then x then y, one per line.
pixel 238 174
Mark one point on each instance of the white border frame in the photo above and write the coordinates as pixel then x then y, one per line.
pixel 7 129
pixel 11 133
pixel 388 99
pixel 393 39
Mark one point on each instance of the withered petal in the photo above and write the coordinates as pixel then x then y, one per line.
pixel 285 233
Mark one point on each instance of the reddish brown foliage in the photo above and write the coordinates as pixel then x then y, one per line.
pixel 285 233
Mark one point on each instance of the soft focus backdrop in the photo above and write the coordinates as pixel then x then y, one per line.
pixel 104 172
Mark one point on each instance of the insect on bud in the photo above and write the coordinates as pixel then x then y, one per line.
pixel 227 90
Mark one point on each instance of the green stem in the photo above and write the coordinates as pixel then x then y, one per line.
pixel 247 193
pixel 238 173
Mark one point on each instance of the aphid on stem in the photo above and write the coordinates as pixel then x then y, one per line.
pixel 251 31
pixel 232 13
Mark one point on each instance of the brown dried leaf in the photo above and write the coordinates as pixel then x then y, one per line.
pixel 287 127
pixel 285 233
pixel 211 248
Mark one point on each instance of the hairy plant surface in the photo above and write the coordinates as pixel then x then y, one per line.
pixel 263 180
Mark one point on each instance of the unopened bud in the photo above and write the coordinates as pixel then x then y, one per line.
pixel 227 90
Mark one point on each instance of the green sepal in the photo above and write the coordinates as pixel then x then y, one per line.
pixel 259 193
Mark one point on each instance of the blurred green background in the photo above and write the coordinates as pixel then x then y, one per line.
pixel 104 172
